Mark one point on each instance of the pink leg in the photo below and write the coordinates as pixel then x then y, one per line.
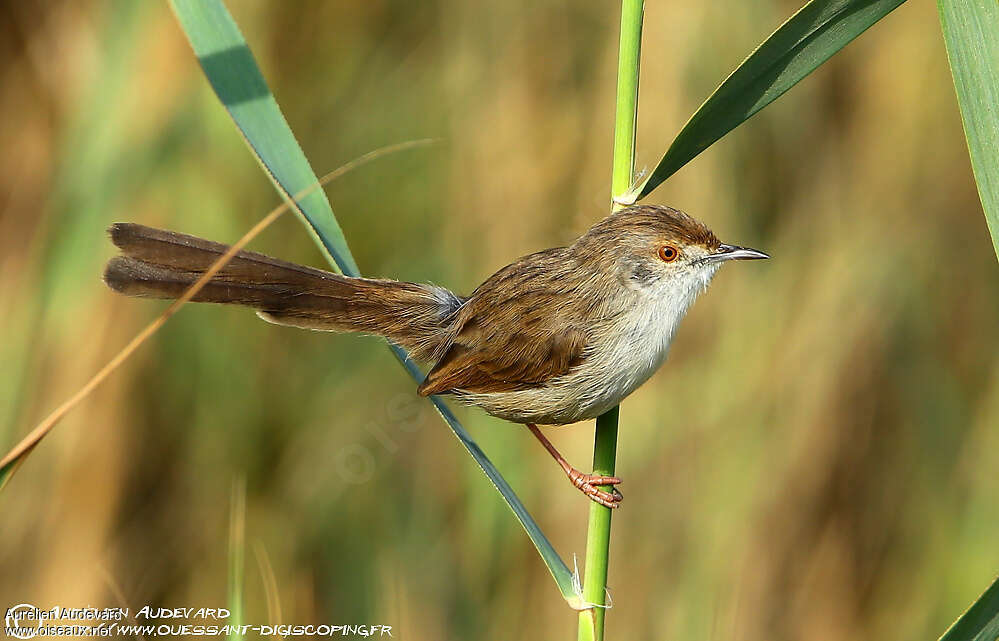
pixel 588 484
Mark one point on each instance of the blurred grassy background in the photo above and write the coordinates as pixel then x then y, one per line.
pixel 816 461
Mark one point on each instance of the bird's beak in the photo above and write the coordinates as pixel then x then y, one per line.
pixel 731 252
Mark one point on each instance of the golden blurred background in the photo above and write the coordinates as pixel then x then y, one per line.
pixel 817 460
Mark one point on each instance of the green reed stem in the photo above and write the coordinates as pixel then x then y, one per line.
pixel 627 98
pixel 591 621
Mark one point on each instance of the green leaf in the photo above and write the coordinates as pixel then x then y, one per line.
pixel 971 32
pixel 980 622
pixel 797 48
pixel 237 557
pixel 237 81
pixel 227 62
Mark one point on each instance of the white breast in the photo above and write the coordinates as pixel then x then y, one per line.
pixel 637 344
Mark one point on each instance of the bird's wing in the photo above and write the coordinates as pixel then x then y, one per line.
pixel 515 361
pixel 510 336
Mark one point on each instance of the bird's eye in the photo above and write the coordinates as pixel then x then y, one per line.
pixel 668 253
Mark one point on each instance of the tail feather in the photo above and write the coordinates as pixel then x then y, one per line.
pixel 190 253
pixel 163 264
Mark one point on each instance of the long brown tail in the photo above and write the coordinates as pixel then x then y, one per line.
pixel 163 264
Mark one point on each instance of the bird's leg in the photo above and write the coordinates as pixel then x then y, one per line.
pixel 588 484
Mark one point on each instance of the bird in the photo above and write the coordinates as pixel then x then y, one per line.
pixel 556 337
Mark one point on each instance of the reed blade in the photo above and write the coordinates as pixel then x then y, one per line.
pixel 233 73
pixel 798 47
pixel 971 33
pixel 980 622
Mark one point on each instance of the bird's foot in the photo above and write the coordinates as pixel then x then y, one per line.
pixel 589 484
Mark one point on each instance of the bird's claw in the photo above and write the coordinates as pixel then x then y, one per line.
pixel 589 484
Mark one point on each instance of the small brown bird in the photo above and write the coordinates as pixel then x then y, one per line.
pixel 556 337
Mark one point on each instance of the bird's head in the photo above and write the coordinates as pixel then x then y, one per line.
pixel 658 249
